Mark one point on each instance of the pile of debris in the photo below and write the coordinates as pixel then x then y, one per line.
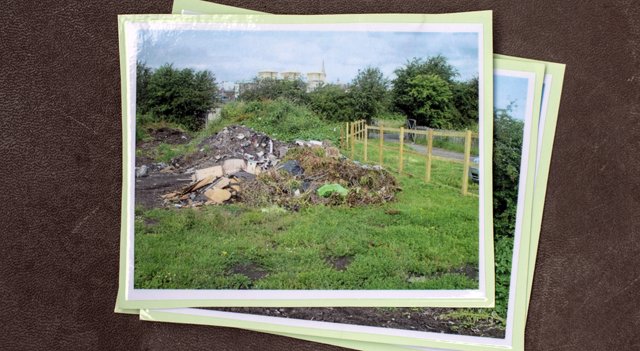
pixel 234 142
pixel 213 185
pixel 320 175
pixel 239 164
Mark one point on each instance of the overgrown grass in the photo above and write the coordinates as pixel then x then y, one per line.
pixel 431 231
pixel 443 173
pixel 281 119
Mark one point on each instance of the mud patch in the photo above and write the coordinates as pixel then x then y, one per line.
pixel 339 263
pixel 150 222
pixel 249 270
pixel 438 320
pixel 149 190
pixel 469 271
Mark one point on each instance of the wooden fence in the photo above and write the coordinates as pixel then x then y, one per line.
pixel 359 131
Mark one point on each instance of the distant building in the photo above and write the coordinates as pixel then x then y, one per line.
pixel 267 75
pixel 316 79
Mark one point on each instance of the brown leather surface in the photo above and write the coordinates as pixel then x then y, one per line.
pixel 61 155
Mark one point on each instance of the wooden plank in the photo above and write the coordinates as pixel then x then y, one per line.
pixel 346 131
pixel 366 139
pixel 380 146
pixel 427 176
pixel 353 140
pixel 401 161
pixel 465 169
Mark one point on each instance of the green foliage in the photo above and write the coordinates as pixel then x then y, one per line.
pixel 507 150
pixel 332 102
pixel 432 101
pixel 182 96
pixel 427 90
pixel 503 250
pixel 143 75
pixel 465 99
pixel 281 119
pixel 369 93
pixel 271 89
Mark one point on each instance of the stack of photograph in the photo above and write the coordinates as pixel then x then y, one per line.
pixel 374 182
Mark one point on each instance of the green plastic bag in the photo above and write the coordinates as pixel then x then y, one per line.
pixel 328 189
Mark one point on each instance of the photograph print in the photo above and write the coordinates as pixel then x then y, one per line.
pixel 278 160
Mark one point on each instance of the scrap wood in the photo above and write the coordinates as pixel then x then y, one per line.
pixel 199 184
pixel 215 171
pixel 217 196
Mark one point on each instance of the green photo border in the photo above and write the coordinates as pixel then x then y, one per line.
pixel 482 17
pixel 368 341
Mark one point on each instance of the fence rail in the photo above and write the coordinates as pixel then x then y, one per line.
pixel 359 131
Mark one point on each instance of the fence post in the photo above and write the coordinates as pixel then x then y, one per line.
pixel 467 154
pixel 353 140
pixel 427 176
pixel 366 140
pixel 401 164
pixel 381 145
pixel 341 144
pixel 346 132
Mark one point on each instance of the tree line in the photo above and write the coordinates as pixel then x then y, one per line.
pixel 427 90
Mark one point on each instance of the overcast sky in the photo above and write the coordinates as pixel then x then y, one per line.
pixel 239 55
pixel 507 89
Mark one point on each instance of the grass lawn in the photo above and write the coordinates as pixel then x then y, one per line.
pixel 423 240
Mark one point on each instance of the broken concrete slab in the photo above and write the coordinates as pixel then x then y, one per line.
pixel 142 171
pixel 244 175
pixel 233 165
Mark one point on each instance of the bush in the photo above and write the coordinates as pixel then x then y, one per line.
pixel 271 89
pixel 181 96
pixel 332 103
pixel 507 151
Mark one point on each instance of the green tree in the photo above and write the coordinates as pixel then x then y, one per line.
pixel 465 99
pixel 436 65
pixel 332 103
pixel 143 75
pixel 432 101
pixel 181 96
pixel 369 92
pixel 272 89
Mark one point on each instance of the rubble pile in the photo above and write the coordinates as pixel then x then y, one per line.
pixel 241 165
pixel 234 142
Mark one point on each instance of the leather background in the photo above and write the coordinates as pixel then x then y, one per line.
pixel 60 143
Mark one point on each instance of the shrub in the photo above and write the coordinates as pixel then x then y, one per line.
pixel 181 96
pixel 507 150
pixel 332 103
pixel 271 89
